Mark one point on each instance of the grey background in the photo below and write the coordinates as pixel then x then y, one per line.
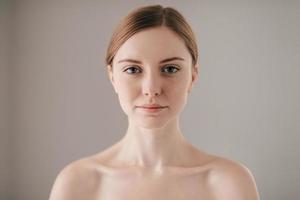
pixel 57 105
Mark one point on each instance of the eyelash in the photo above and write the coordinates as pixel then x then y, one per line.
pixel 169 66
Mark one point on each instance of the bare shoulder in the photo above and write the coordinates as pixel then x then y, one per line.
pixel 78 180
pixel 232 180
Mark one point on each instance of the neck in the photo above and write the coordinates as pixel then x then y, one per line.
pixel 152 148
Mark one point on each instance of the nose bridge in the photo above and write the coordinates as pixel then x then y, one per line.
pixel 151 83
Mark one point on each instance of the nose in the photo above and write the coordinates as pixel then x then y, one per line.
pixel 151 86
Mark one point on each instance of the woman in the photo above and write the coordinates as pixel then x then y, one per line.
pixel 152 65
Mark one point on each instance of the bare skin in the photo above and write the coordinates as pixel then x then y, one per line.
pixel 154 160
pixel 102 177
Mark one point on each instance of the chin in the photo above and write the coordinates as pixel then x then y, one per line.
pixel 151 125
pixel 151 122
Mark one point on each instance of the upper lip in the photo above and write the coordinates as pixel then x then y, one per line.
pixel 152 106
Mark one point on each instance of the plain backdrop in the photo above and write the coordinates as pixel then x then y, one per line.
pixel 57 104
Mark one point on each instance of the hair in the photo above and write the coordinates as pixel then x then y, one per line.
pixel 150 17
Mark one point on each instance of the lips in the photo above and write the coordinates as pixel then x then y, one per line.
pixel 152 106
pixel 151 109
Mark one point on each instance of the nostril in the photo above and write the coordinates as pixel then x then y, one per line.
pixel 155 93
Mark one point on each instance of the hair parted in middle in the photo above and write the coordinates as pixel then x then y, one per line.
pixel 150 17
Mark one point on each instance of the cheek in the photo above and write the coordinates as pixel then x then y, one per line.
pixel 178 86
pixel 128 87
pixel 175 90
pixel 127 92
pixel 178 92
pixel 178 95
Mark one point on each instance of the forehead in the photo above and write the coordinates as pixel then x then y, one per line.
pixel 154 44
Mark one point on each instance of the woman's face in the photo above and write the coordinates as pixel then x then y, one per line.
pixel 153 67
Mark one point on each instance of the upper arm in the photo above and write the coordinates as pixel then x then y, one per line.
pixel 72 183
pixel 234 181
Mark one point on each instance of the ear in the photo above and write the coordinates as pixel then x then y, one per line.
pixel 111 77
pixel 195 74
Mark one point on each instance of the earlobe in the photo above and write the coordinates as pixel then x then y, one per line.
pixel 194 77
pixel 110 73
pixel 195 74
pixel 111 77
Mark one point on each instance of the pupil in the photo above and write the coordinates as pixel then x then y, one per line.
pixel 133 69
pixel 170 69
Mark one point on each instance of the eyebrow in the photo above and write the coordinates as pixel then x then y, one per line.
pixel 139 62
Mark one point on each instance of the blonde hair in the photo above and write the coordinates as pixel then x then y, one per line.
pixel 149 17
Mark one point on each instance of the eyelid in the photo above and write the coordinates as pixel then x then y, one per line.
pixel 164 66
pixel 131 66
pixel 174 65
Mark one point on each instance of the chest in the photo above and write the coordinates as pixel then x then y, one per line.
pixel 158 188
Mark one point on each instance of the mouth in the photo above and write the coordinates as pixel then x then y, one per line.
pixel 152 108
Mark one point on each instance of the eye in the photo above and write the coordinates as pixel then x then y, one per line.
pixel 131 70
pixel 170 69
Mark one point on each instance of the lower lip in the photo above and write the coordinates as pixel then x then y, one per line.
pixel 151 110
